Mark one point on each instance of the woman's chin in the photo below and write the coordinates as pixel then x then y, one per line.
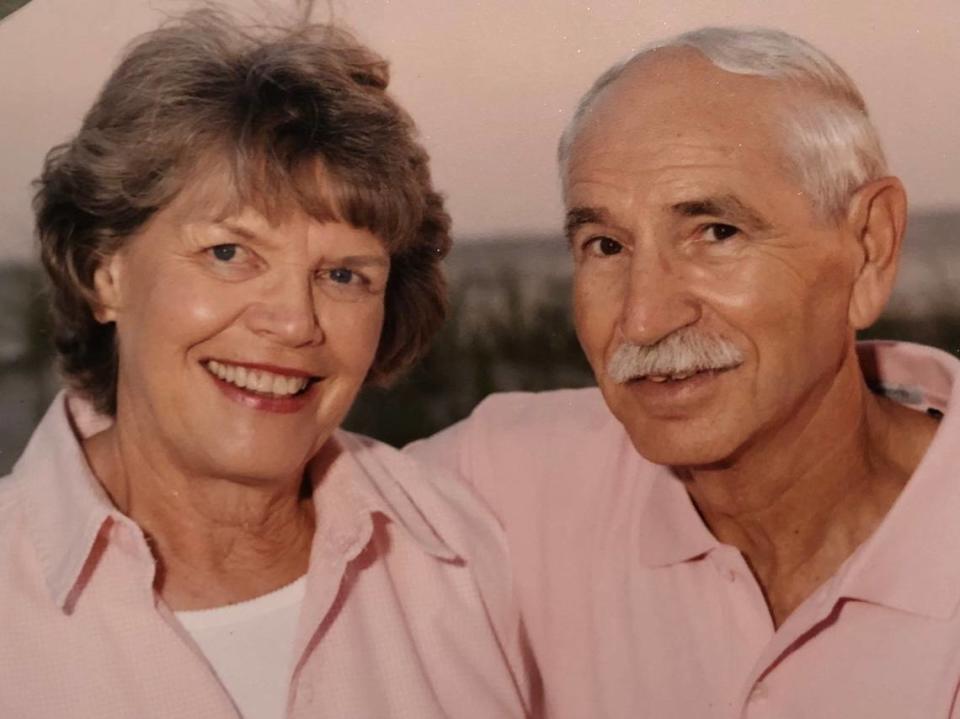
pixel 250 454
pixel 264 468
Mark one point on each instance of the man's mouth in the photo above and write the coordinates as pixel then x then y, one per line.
pixel 259 381
pixel 668 377
pixel 681 375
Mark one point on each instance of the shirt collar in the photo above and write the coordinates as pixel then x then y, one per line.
pixel 669 529
pixel 66 505
pixel 910 562
pixel 356 477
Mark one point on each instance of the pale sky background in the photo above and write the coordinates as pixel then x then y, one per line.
pixel 492 82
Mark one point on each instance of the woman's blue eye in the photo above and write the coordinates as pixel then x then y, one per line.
pixel 342 275
pixel 224 253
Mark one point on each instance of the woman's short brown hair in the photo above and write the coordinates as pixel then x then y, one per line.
pixel 273 105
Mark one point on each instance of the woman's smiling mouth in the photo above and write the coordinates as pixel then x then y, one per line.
pixel 259 381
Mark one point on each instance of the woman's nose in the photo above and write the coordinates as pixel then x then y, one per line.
pixel 287 312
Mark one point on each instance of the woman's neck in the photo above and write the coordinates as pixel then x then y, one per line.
pixel 216 540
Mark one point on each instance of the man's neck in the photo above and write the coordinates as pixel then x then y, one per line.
pixel 798 503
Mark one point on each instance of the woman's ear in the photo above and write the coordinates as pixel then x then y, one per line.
pixel 877 217
pixel 106 285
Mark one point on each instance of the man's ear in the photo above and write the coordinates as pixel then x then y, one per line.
pixel 106 284
pixel 877 217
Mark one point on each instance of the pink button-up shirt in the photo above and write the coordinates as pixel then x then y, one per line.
pixel 408 609
pixel 634 609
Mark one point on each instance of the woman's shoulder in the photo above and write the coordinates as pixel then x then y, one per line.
pixel 471 541
pixel 20 559
pixel 9 501
pixel 31 467
pixel 441 497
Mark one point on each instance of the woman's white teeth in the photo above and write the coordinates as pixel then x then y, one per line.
pixel 257 380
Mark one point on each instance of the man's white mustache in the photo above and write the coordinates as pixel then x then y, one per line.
pixel 682 352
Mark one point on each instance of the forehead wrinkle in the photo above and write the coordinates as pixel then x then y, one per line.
pixel 705 189
pixel 636 163
pixel 230 226
pixel 724 206
pixel 250 225
pixel 639 119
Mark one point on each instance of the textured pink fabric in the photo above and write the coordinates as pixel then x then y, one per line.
pixel 633 609
pixel 408 610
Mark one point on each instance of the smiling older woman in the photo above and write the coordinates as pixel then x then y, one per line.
pixel 242 233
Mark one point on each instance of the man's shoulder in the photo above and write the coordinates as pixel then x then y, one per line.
pixel 517 446
pixel 519 431
pixel 556 411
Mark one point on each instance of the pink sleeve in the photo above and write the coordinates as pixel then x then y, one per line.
pixel 446 449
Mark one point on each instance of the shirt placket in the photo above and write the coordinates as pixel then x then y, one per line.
pixel 753 625
pixel 200 690
pixel 759 697
pixel 325 582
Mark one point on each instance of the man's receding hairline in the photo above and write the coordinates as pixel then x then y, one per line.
pixel 830 143
pixel 791 87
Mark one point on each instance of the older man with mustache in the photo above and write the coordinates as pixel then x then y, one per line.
pixel 755 515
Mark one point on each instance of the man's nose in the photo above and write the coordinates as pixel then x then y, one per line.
pixel 659 299
pixel 287 312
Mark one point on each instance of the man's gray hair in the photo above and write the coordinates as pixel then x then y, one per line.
pixel 831 141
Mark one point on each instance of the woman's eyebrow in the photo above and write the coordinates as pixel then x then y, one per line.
pixel 365 260
pixel 238 229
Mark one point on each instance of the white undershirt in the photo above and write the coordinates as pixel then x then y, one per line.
pixel 250 646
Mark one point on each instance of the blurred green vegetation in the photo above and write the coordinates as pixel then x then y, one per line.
pixel 517 343
pixel 531 346
pixel 26 350
pixel 940 329
pixel 8 6
pixel 506 331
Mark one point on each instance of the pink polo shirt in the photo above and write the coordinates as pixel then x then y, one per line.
pixel 634 609
pixel 408 609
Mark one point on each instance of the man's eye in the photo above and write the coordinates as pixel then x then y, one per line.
pixel 719 231
pixel 604 246
pixel 224 253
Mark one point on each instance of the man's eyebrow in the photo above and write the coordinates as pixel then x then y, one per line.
pixel 579 216
pixel 722 206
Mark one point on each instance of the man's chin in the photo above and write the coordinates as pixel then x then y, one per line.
pixel 681 443
pixel 682 457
